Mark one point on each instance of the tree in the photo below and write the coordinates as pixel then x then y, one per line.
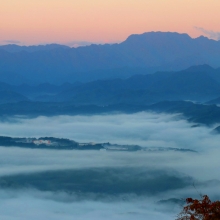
pixel 203 209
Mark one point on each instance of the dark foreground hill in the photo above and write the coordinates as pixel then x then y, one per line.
pixel 148 52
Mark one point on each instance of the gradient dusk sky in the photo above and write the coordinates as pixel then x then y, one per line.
pixel 69 22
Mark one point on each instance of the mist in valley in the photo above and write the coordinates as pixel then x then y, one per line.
pixel 67 184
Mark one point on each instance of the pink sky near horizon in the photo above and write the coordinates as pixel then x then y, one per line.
pixel 99 21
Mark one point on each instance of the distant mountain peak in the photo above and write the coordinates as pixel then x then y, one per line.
pixel 158 35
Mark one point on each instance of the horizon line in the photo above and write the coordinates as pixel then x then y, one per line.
pixel 82 43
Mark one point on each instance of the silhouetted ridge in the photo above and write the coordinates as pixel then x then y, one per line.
pixel 150 37
pixel 151 52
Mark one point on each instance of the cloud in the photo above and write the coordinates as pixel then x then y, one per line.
pixel 53 173
pixel 80 43
pixel 37 205
pixel 86 43
pixel 11 42
pixel 145 129
pixel 209 33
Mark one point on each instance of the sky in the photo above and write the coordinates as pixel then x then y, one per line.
pixel 81 22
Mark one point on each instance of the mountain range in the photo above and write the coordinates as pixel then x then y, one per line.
pixel 144 73
pixel 138 54
pixel 197 83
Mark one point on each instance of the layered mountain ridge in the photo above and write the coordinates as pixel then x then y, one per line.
pixel 197 83
pixel 144 53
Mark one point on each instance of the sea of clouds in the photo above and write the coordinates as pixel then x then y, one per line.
pixel 144 129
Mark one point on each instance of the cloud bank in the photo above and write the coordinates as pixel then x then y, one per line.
pixel 51 184
pixel 145 129
pixel 36 205
pixel 209 33
pixel 11 42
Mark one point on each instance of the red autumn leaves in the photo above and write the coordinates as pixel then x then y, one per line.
pixel 203 209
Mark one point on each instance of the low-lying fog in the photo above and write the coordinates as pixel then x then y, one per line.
pixel 145 129
pixel 51 184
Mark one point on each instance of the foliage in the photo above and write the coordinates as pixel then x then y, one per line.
pixel 203 209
